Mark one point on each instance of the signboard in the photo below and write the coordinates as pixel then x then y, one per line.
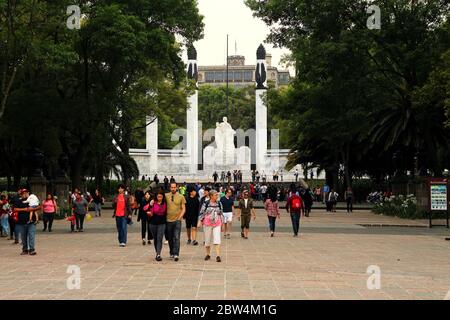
pixel 438 197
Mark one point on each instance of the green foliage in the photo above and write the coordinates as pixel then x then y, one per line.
pixel 361 95
pixel 400 206
pixel 212 106
pixel 74 91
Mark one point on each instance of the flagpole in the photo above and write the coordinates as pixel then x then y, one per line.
pixel 227 77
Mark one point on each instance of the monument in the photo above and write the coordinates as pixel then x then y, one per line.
pixel 193 162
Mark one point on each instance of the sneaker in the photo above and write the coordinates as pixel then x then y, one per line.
pixel 189 241
pixel 195 243
pixel 122 245
pixel 158 258
pixel 32 253
pixel 218 259
pixel 207 257
pixel 143 242
pixel 149 241
pixel 43 230
pixel 176 258
pixel 24 252
pixel 172 256
pixel 49 230
pixel 16 242
pixel 166 242
pixel 271 234
pixel 81 230
pixel 229 236
pixel 242 235
pixel 246 238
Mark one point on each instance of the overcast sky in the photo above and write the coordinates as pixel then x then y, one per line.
pixel 235 18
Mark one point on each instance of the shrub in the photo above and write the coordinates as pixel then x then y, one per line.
pixel 400 206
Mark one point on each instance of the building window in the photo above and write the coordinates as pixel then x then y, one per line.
pixel 238 76
pixel 209 76
pixel 248 76
pixel 219 76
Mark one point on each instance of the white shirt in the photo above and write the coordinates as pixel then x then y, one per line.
pixel 32 200
pixel 245 202
pixel 201 193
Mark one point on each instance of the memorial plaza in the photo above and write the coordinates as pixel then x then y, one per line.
pixel 329 260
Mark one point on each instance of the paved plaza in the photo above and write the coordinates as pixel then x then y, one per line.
pixel 328 261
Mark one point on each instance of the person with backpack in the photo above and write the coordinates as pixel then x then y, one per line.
pixel 271 206
pixel 295 206
pixel 211 217
pixel 122 213
pixel 332 200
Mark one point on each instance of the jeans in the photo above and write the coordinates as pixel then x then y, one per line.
pixel 121 224
pixel 13 229
pixel 98 209
pixel 79 219
pixel 272 221
pixel 157 231
pixel 173 232
pixel 5 224
pixel 28 233
pixel 145 229
pixel 349 205
pixel 48 219
pixel 295 218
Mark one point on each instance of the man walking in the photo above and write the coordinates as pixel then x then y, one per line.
pixel 176 207
pixel 245 212
pixel 228 212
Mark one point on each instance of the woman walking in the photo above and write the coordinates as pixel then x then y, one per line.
pixel 122 213
pixel 157 216
pixel 144 208
pixel 79 209
pixel 49 209
pixel 98 200
pixel 211 216
pixel 271 206
pixel 349 199
pixel 191 216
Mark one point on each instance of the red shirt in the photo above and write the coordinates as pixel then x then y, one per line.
pixel 120 206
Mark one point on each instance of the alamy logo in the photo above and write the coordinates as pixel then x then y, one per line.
pixel 374 280
pixel 74 281
pixel 74 19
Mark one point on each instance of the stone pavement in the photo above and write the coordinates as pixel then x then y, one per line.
pixel 328 261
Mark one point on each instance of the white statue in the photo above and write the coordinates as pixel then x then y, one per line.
pixel 224 137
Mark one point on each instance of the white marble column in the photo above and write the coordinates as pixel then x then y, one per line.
pixel 192 131
pixel 151 143
pixel 261 109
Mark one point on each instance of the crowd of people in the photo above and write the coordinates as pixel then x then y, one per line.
pixel 160 209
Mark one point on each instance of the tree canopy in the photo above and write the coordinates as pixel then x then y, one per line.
pixel 364 100
pixel 73 91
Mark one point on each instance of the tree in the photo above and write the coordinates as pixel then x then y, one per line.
pixel 354 93
pixel 84 88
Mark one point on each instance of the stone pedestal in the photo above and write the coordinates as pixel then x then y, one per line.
pixel 62 192
pixel 38 186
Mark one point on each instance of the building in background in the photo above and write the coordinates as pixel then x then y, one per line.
pixel 239 74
